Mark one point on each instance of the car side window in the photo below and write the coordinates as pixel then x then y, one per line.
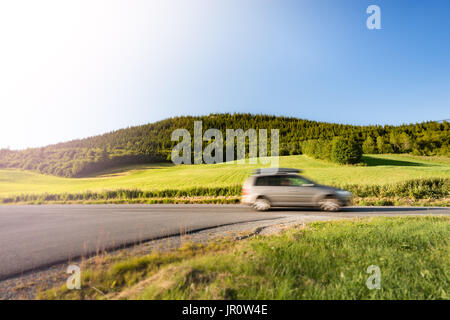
pixel 280 181
pixel 267 181
pixel 272 181
pixel 283 181
pixel 261 181
pixel 277 181
pixel 297 181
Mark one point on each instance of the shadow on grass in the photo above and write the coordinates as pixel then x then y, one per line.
pixel 126 169
pixel 373 161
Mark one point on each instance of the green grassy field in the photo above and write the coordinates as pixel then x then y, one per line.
pixel 376 170
pixel 323 260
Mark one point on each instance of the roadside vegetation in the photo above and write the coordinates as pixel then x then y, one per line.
pixel 411 192
pixel 381 180
pixel 321 260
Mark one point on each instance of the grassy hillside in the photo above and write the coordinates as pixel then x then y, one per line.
pixel 377 170
pixel 152 143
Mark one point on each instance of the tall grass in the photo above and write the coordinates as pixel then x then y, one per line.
pixel 327 260
pixel 436 188
pixel 323 260
pixel 125 194
pixel 417 189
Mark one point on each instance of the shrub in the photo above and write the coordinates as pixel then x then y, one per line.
pixel 318 149
pixel 346 150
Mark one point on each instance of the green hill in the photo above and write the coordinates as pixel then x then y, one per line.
pixel 151 143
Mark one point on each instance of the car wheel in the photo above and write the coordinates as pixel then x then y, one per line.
pixel 261 204
pixel 329 204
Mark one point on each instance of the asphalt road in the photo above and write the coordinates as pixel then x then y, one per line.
pixel 33 237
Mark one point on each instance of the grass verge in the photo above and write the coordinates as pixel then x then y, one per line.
pixel 322 260
pixel 433 191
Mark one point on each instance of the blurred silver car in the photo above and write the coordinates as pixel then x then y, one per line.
pixel 283 187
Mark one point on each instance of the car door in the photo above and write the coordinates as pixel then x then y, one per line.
pixel 278 190
pixel 301 191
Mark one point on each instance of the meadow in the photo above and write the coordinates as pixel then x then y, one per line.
pixel 377 170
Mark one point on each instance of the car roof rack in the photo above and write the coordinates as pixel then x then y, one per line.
pixel 276 171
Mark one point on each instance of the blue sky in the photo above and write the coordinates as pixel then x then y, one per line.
pixel 75 69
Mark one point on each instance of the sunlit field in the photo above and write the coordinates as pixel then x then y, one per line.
pixel 376 169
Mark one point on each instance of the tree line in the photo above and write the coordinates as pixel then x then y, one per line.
pixel 152 142
pixel 343 150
